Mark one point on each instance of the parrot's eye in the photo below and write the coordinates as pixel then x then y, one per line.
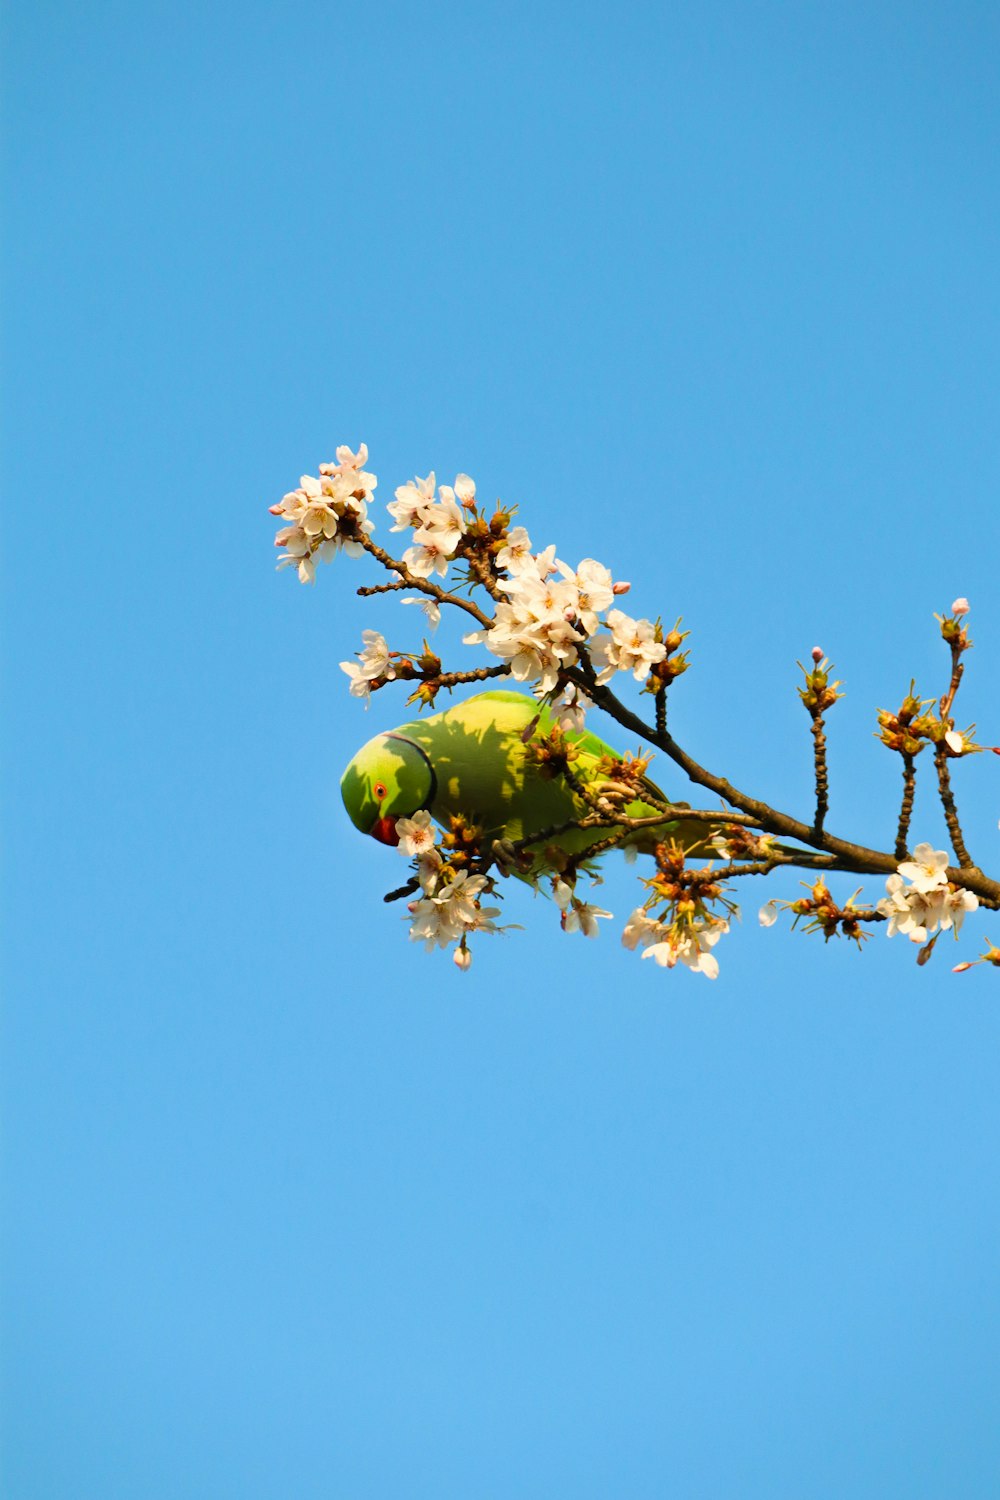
pixel 379 790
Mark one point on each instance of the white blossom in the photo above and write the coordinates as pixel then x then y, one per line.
pixel 430 607
pixel 531 631
pixel 433 924
pixel 582 917
pixel 412 500
pixel 960 606
pixel 927 870
pixel 642 929
pixel 954 905
pixel 691 947
pixel 428 867
pixel 464 490
pixel 515 551
pixel 416 834
pixel 594 591
pixel 444 523
pixel 570 709
pixel 453 911
pixel 907 911
pixel 317 512
pixel 536 645
pixel 768 914
pixel 428 555
pixel 919 899
pixel 631 647
pixel 373 661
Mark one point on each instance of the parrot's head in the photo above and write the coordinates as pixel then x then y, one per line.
pixel 391 777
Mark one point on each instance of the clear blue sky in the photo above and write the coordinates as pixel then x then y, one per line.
pixel 291 1210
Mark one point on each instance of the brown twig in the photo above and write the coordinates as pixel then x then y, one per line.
pixel 822 782
pixel 403 891
pixel 906 810
pixel 950 809
pixel 382 588
pixel 948 804
pixel 424 585
pixel 661 710
pixel 478 674
pixel 957 669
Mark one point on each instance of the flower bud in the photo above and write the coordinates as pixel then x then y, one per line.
pixel 960 607
pixel 620 588
pixel 961 968
pixel 462 959
pixel 817 654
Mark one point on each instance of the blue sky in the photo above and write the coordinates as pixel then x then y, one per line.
pixel 710 292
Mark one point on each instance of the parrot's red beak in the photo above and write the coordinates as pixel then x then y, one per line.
pixel 385 831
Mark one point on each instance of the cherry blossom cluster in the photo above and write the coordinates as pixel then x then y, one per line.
pixel 374 665
pixel 689 942
pixel 449 909
pixel 921 900
pixel 438 524
pixel 550 612
pixel 676 924
pixel 575 915
pixel 326 514
pixel 546 612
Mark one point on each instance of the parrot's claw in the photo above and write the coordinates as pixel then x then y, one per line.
pixel 505 854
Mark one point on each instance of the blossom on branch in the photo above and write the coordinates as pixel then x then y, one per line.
pixel 632 647
pixel 412 500
pixel 416 835
pixel 430 607
pixel 920 899
pixel 532 631
pixel 927 870
pixel 326 514
pixel 372 664
pixel 691 945
pixel 452 913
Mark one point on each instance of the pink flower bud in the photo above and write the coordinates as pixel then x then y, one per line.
pixel 277 510
pixel 462 959
pixel 620 588
pixel 960 607
pixel 961 968
pixel 817 654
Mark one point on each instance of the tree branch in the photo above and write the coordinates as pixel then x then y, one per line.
pixel 906 810
pixel 424 585
pixel 852 857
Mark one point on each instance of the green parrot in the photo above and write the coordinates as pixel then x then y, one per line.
pixel 471 760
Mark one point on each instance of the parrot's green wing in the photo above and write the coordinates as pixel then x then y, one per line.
pixel 483 773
